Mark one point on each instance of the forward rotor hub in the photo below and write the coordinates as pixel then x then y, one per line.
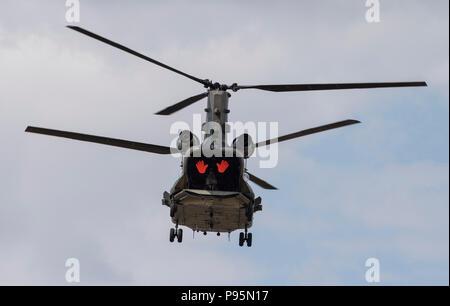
pixel 217 86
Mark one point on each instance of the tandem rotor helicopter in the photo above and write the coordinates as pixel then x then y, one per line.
pixel 213 195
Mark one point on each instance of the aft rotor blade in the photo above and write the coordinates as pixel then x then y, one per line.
pixel 102 140
pixel 176 107
pixel 261 183
pixel 311 87
pixel 308 132
pixel 126 49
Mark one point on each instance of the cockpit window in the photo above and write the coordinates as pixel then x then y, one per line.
pixel 213 173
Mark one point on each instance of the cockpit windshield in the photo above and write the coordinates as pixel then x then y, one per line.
pixel 214 173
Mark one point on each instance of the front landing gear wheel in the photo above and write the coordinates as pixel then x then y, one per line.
pixel 172 235
pixel 180 235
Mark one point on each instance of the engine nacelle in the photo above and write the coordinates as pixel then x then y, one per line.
pixel 244 145
pixel 186 140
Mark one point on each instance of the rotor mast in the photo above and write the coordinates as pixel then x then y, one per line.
pixel 217 110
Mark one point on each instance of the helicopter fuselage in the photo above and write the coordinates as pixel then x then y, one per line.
pixel 212 194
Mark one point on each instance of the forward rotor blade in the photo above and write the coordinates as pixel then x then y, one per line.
pixel 102 140
pixel 126 49
pixel 311 87
pixel 176 107
pixel 261 183
pixel 308 132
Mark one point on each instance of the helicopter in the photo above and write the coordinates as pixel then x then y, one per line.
pixel 213 193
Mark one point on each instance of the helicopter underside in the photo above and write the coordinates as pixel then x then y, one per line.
pixel 211 211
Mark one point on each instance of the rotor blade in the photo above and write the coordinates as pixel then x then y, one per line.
pixel 261 183
pixel 123 48
pixel 102 140
pixel 176 107
pixel 308 132
pixel 310 87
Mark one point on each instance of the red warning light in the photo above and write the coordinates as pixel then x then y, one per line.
pixel 223 166
pixel 201 167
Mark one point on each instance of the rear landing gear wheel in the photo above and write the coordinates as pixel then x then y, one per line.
pixel 249 239
pixel 176 232
pixel 241 239
pixel 180 235
pixel 245 237
pixel 172 235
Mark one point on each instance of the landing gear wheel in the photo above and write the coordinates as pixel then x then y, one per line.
pixel 241 239
pixel 180 235
pixel 249 239
pixel 172 235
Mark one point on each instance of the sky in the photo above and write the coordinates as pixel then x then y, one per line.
pixel 379 189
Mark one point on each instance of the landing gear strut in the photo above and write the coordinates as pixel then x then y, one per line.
pixel 245 237
pixel 173 210
pixel 176 232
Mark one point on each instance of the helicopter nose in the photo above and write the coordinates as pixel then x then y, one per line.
pixel 211 179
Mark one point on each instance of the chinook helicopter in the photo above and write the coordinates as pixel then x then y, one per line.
pixel 213 193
